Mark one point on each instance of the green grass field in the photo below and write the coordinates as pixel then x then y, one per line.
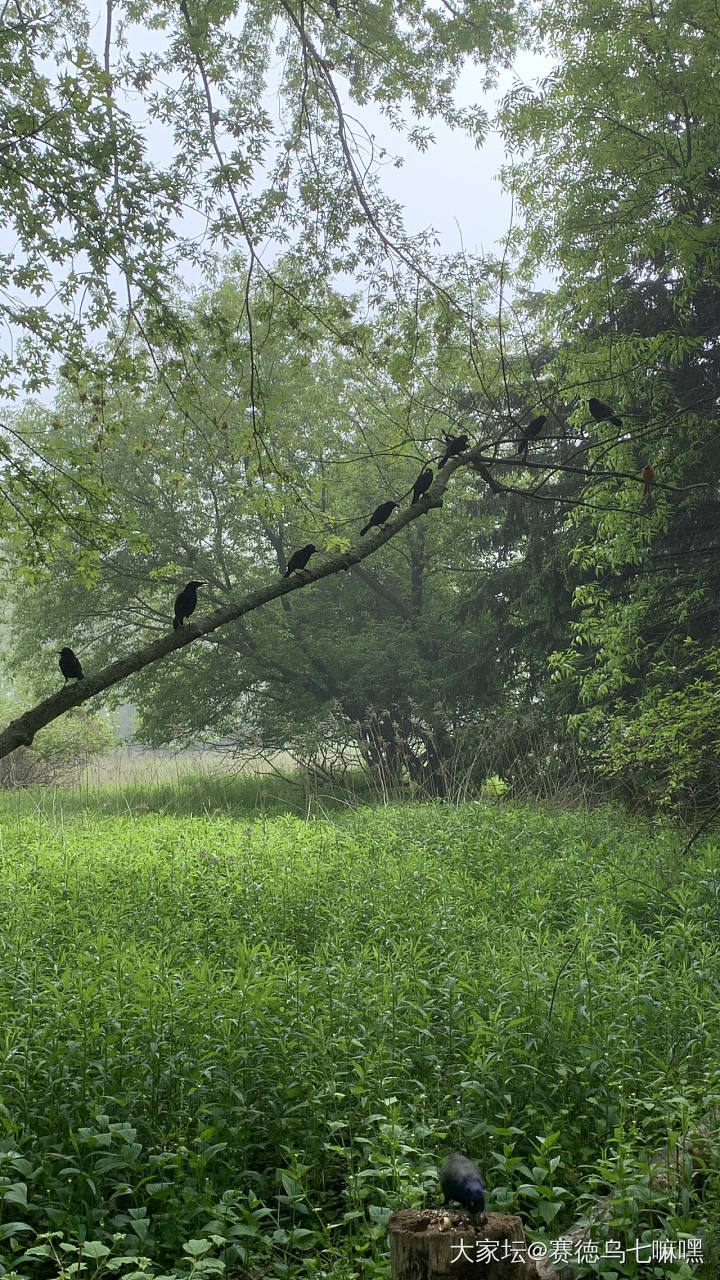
pixel 236 1039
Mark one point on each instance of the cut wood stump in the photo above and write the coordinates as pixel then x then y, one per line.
pixel 440 1244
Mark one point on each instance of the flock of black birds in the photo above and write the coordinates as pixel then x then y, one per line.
pixel 186 600
pixel 600 411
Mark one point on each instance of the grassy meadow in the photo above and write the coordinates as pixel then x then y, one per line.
pixel 238 1031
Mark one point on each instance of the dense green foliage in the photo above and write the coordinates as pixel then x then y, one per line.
pixel 243 107
pixel 249 1039
pixel 214 435
pixel 450 626
pixel 139 147
pixel 616 170
pixel 233 1039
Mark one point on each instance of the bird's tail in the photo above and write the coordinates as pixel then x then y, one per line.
pixel 617 422
pixel 286 573
pixel 647 489
pixel 176 623
pixel 364 531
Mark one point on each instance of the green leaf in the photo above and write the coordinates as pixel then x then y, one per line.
pixel 549 1209
pixel 94 1249
pixel 196 1248
pixel 13 1229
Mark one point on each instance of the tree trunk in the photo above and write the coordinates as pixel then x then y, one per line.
pixel 398 746
pixel 438 1244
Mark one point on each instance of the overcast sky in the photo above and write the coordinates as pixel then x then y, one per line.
pixel 454 186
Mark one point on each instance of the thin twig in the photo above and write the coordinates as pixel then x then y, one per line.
pixel 561 971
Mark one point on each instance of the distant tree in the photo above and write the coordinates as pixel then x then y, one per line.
pixel 111 134
pixel 403 655
pixel 58 752
pixel 223 408
pixel 621 143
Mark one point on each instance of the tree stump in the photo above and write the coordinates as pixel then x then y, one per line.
pixel 440 1244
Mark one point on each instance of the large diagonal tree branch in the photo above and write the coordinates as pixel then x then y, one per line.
pixel 20 732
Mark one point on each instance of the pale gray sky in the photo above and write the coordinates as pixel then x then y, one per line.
pixel 454 186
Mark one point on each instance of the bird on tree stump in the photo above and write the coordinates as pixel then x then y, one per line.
pixel 461 1180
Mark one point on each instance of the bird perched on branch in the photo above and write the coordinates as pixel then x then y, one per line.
pixel 69 665
pixel 299 559
pixel 421 486
pixel 648 479
pixel 530 432
pixel 461 1180
pixel 453 445
pixel 380 515
pixel 602 412
pixel 185 602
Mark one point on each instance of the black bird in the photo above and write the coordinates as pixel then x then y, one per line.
pixel 380 515
pixel 530 432
pixel 421 486
pixel 461 1180
pixel 69 665
pixel 299 559
pixel 602 412
pixel 185 602
pixel 453 445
